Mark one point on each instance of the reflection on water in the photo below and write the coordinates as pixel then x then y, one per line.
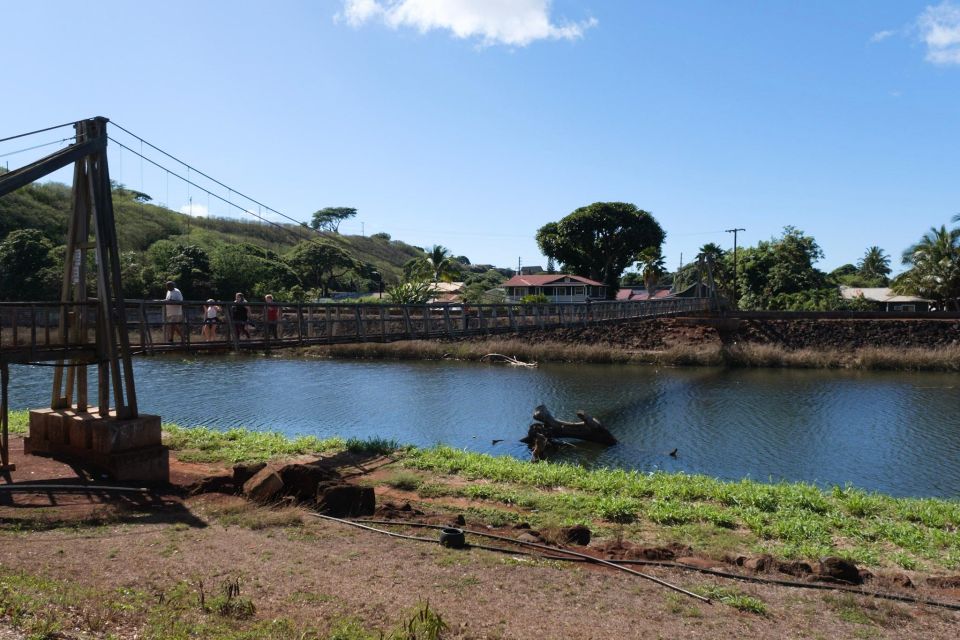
pixel 891 432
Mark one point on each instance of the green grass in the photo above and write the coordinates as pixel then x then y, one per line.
pixel 18 422
pixel 372 446
pixel 794 520
pixel 201 444
pixel 733 598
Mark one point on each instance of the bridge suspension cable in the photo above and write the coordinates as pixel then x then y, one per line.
pixel 30 133
pixel 208 177
pixel 210 193
pixel 37 146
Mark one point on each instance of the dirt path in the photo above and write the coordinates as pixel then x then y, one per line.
pixel 315 575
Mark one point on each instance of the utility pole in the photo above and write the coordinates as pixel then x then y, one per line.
pixel 736 294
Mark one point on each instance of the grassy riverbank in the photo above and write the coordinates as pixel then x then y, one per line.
pixel 740 355
pixel 789 520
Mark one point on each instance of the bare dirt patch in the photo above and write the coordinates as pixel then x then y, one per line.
pixel 314 574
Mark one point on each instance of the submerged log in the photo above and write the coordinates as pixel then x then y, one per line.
pixel 548 427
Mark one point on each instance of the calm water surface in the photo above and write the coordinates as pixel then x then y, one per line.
pixel 893 432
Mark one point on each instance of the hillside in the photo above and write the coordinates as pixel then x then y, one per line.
pixel 140 224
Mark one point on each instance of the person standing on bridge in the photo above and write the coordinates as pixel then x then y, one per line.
pixel 241 314
pixel 211 319
pixel 272 315
pixel 173 312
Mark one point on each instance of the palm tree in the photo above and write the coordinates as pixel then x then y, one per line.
pixel 440 262
pixel 935 267
pixel 874 265
pixel 651 265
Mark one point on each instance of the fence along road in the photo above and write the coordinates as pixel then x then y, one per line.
pixel 29 331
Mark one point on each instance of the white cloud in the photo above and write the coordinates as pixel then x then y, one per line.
pixel 939 28
pixel 195 210
pixel 509 22
pixel 880 36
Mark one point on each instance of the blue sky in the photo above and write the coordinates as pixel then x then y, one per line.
pixel 471 123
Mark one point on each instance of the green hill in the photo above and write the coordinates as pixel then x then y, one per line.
pixel 142 225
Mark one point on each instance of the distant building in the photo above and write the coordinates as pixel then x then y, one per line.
pixel 531 270
pixel 633 294
pixel 559 287
pixel 448 292
pixel 885 299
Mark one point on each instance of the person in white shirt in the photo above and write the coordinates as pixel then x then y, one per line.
pixel 173 313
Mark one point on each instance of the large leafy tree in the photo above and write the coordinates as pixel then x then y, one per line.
pixel 329 218
pixel 248 269
pixel 601 240
pixel 27 266
pixel 778 267
pixel 934 268
pixel 318 264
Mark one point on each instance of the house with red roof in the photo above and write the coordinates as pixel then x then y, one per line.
pixel 558 287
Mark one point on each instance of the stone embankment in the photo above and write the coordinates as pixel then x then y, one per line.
pixel 790 333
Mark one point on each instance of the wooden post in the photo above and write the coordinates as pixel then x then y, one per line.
pixel 407 324
pixel 300 324
pixel 5 465
pixel 231 330
pixel 383 323
pixel 512 317
pixel 426 321
pixel 447 322
pixel 358 314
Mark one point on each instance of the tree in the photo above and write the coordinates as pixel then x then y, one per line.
pixel 551 265
pixel 601 240
pixel 874 265
pixel 441 263
pixel 781 265
pixel 27 268
pixel 411 291
pixel 329 218
pixel 651 265
pixel 319 263
pixel 248 269
pixel 934 268
pixel 417 269
pixel 190 269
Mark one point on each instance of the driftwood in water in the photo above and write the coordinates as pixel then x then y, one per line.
pixel 541 434
pixel 499 357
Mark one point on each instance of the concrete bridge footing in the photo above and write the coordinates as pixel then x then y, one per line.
pixel 125 450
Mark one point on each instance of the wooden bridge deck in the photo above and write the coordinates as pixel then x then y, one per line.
pixel 30 331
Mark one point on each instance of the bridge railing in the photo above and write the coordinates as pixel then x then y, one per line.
pixel 44 330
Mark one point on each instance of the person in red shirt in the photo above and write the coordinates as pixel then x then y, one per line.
pixel 273 315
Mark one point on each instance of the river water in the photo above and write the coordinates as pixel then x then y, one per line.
pixel 898 433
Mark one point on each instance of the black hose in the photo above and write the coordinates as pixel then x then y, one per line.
pixel 584 556
pixel 581 557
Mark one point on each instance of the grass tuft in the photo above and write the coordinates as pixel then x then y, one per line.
pixel 372 446
pixel 733 598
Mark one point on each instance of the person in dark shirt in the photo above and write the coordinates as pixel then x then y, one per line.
pixel 241 313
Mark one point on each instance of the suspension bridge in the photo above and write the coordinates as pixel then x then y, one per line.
pixel 93 325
